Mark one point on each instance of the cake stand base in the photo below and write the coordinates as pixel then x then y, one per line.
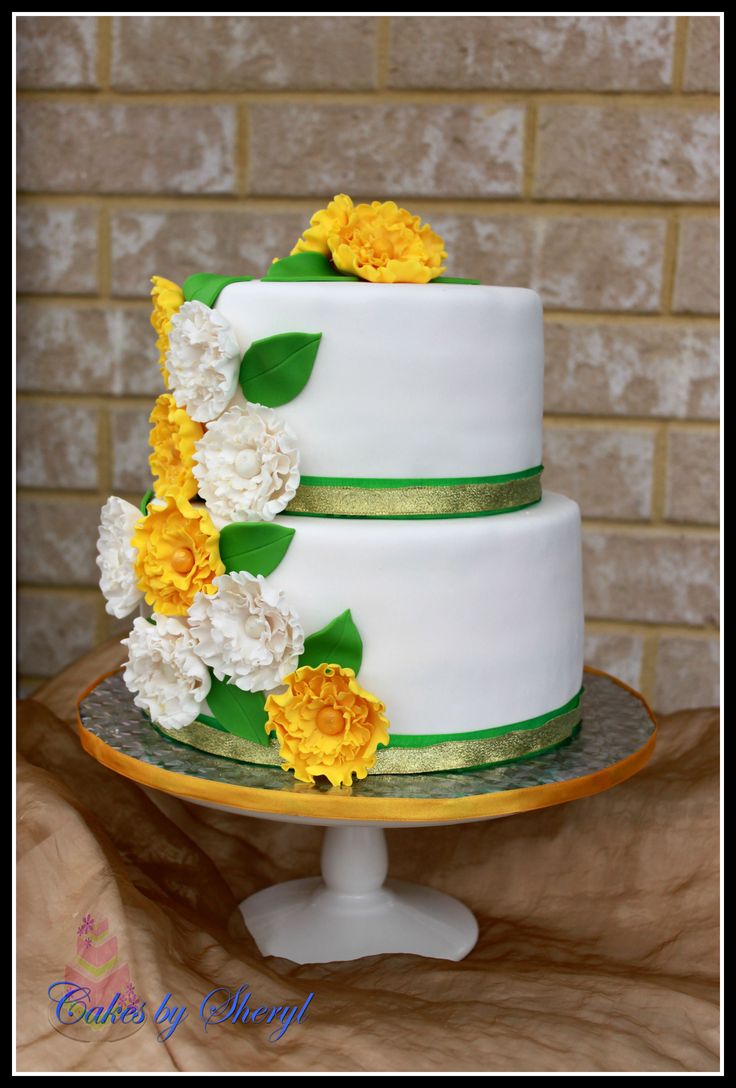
pixel 353 911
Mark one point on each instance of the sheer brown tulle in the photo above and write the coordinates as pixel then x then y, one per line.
pixel 598 921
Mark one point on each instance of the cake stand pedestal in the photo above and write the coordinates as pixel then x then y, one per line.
pixel 353 910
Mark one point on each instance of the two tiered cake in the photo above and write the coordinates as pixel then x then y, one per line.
pixel 350 563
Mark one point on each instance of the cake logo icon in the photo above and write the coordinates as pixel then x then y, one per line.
pixel 95 997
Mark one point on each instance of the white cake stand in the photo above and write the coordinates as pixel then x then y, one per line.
pixel 352 909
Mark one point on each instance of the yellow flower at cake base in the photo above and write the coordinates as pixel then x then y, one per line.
pixel 173 440
pixel 327 724
pixel 379 242
pixel 167 297
pixel 177 555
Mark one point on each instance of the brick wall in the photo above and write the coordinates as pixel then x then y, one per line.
pixel 575 155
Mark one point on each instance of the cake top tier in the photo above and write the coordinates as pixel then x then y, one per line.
pixel 381 368
pixel 409 381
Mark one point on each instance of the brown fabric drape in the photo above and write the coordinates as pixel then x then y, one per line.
pixel 598 943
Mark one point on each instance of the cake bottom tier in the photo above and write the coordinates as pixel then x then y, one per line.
pixel 472 629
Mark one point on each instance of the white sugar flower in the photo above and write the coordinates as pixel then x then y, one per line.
pixel 246 632
pixel 203 361
pixel 116 557
pixel 164 672
pixel 247 464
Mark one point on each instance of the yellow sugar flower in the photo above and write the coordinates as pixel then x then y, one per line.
pixel 177 554
pixel 327 724
pixel 173 440
pixel 378 242
pixel 167 297
pixel 323 223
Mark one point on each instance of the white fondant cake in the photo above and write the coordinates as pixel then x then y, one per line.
pixel 466 623
pixel 350 564
pixel 413 379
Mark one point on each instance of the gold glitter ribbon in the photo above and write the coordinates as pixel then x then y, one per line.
pixel 448 756
pixel 431 498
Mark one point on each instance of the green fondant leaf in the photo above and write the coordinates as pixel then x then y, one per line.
pixel 240 712
pixel 339 643
pixel 305 267
pixel 145 501
pixel 205 286
pixel 454 279
pixel 256 547
pixel 276 369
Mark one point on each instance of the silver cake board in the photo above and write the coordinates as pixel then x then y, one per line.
pixel 353 910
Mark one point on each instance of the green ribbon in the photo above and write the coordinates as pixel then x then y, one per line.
pixel 424 740
pixel 403 498
pixel 413 754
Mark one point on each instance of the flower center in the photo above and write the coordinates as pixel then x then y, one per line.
pixel 330 721
pixel 182 560
pixel 253 627
pixel 247 463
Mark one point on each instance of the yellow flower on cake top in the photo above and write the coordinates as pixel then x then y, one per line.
pixel 177 554
pixel 173 440
pixel 324 223
pixel 378 242
pixel 167 297
pixel 327 724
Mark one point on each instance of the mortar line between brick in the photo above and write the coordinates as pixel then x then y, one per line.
pixel 506 97
pixel 679 53
pixel 104 254
pixel 35 590
pixel 640 628
pixel 640 320
pixel 670 527
pixel 90 400
pixel 635 423
pixel 669 263
pixel 694 426
pixel 260 203
pixel 104 51
pixel 56 496
pixel 81 302
pixel 627 528
pixel 659 476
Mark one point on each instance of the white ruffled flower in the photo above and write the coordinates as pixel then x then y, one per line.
pixel 163 671
pixel 116 557
pixel 246 632
pixel 247 464
pixel 203 361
